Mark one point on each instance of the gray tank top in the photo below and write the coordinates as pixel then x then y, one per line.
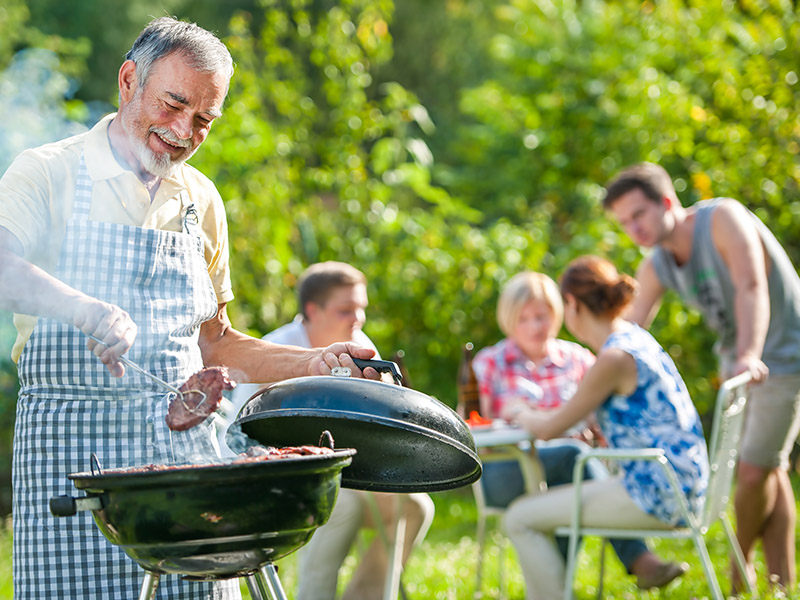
pixel 704 282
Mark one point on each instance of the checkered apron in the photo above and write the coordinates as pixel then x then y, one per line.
pixel 70 406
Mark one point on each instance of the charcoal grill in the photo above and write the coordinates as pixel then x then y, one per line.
pixel 211 522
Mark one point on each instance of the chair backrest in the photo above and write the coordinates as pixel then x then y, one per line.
pixel 723 447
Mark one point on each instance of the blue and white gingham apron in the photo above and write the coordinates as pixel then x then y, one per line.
pixel 70 406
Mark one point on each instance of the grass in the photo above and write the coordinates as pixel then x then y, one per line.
pixel 444 566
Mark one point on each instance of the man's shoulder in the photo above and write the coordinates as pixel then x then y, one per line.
pixel 63 151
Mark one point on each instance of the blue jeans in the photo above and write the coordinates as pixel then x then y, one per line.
pixel 502 482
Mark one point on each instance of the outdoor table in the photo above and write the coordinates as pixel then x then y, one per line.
pixel 502 437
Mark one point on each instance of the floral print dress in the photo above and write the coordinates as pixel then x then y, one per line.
pixel 658 414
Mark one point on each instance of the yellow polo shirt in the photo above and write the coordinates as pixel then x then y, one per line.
pixel 38 189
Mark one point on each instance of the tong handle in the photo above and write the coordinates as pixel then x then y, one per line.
pixel 381 366
pixel 129 363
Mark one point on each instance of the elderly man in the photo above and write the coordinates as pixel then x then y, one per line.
pixel 333 299
pixel 111 234
pixel 725 262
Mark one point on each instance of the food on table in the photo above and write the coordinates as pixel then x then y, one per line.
pixel 476 419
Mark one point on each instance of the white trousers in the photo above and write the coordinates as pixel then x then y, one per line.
pixel 320 559
pixel 531 520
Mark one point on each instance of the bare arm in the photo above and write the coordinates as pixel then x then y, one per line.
pixel 647 301
pixel 27 289
pixel 614 372
pixel 737 241
pixel 253 360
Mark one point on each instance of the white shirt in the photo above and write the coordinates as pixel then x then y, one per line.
pixel 291 334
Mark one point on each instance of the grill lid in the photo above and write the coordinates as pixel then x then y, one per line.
pixel 406 441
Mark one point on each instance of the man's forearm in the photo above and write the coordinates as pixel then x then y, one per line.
pixel 27 289
pixel 752 322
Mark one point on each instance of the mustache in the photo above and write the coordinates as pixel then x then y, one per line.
pixel 171 137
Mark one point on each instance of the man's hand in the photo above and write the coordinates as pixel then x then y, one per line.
pixel 752 364
pixel 340 355
pixel 109 324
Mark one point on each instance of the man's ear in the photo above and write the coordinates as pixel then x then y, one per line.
pixel 311 310
pixel 128 82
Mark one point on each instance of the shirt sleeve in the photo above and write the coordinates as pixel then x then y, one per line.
pixel 24 200
pixel 215 228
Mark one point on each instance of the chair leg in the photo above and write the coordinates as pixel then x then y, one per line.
pixel 708 567
pixel 603 544
pixel 501 569
pixel 480 534
pixel 572 559
pixel 741 564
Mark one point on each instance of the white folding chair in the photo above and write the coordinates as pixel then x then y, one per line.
pixel 723 451
pixel 533 482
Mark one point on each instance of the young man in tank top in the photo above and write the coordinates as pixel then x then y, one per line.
pixel 722 260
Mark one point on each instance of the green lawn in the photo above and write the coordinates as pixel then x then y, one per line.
pixel 443 568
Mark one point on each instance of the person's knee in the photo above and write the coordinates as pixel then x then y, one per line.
pixel 518 519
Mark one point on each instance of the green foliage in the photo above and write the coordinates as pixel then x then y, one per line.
pixel 443 146
pixel 579 90
pixel 316 162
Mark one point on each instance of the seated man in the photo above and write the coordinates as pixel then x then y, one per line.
pixel 332 298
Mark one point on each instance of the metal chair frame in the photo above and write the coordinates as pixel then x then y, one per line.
pixel 723 451
pixel 534 483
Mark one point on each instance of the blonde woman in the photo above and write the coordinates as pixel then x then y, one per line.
pixel 640 401
pixel 532 367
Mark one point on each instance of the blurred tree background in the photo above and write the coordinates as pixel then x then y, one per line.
pixel 442 147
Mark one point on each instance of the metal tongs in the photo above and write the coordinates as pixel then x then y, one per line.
pixel 129 363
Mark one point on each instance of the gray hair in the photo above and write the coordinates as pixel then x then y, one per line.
pixel 165 35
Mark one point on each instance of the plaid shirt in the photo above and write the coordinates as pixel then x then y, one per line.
pixel 504 372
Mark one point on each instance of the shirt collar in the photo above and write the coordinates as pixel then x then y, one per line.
pixel 101 164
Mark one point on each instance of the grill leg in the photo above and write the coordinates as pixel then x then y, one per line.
pixel 253 587
pixel 149 586
pixel 267 584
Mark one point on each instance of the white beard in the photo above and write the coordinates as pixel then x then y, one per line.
pixel 160 165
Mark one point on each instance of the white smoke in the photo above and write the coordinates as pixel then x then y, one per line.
pixel 33 97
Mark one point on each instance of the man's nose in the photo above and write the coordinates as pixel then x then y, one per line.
pixel 182 126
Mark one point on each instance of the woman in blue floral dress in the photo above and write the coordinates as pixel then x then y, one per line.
pixel 640 401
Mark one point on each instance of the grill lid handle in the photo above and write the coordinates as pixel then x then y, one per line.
pixel 381 366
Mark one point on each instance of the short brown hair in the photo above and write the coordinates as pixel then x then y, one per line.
pixel 653 180
pixel 523 288
pixel 596 283
pixel 318 281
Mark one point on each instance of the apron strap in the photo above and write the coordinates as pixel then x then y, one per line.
pixel 83 193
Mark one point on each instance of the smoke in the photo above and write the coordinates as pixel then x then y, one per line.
pixel 38 96
pixel 35 99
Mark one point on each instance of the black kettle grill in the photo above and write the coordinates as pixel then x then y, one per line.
pixel 235 520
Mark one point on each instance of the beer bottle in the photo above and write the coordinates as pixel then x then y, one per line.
pixel 467 385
